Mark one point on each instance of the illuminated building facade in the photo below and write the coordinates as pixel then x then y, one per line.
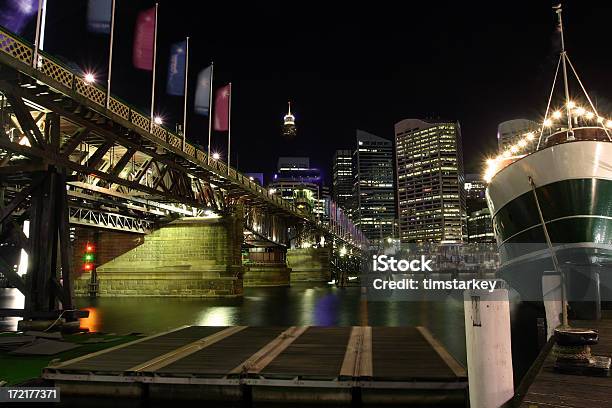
pixel 430 181
pixel 373 193
pixel 297 182
pixel 342 179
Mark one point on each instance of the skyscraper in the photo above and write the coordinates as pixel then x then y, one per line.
pixel 342 179
pixel 373 194
pixel 430 190
pixel 511 131
pixel 289 128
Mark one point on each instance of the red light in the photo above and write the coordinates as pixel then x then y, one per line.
pixel 87 267
pixel 89 247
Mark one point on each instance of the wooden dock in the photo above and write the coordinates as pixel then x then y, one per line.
pixel 350 366
pixel 543 387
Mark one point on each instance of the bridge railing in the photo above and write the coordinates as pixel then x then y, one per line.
pixel 21 50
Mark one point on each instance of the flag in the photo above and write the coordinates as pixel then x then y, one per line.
pixel 16 14
pixel 176 69
pixel 99 16
pixel 202 93
pixel 222 108
pixel 144 36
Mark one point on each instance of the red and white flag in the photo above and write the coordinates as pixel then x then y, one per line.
pixel 222 98
pixel 144 36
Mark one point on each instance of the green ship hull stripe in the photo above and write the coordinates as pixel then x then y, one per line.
pixel 567 198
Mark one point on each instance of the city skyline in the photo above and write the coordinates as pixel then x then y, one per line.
pixel 371 84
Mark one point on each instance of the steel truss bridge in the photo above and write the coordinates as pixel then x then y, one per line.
pixel 68 158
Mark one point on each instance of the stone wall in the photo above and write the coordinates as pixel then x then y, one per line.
pixel 108 245
pixel 309 264
pixel 188 257
pixel 266 267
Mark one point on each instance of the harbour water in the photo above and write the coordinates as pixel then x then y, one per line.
pixel 299 305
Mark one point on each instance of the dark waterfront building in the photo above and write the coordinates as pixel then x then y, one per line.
pixel 342 179
pixel 296 181
pixel 475 188
pixel 373 192
pixel 480 226
pixel 480 223
pixel 289 128
pixel 430 181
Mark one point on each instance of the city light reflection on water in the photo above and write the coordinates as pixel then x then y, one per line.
pixel 298 305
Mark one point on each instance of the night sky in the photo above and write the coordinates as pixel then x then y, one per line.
pixel 350 66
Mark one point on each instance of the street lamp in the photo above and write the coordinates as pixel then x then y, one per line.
pixel 158 120
pixel 216 156
pixel 90 78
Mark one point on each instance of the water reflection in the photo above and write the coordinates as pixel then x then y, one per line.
pixel 93 321
pixel 299 305
pixel 10 299
pixel 218 316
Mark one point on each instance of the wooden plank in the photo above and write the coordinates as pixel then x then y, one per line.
pixel 351 356
pixel 258 361
pixel 111 349
pixel 365 368
pixel 453 364
pixel 184 351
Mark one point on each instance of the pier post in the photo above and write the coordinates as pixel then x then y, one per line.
pixel 488 344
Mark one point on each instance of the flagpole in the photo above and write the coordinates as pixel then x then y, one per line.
pixel 210 106
pixel 154 63
pixel 43 21
pixel 37 37
pixel 110 55
pixel 229 129
pixel 185 93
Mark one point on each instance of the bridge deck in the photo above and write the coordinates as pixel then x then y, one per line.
pixel 290 364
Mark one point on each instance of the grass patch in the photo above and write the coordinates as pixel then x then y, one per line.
pixel 15 369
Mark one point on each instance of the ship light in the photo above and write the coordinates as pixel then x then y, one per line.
pixel 530 136
pixel 571 104
pixel 514 149
pixel 579 111
pixel 589 115
pixel 609 123
pixel 522 143
pixel 548 123
pixel 556 114
pixel 600 119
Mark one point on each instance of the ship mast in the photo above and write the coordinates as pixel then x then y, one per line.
pixel 570 131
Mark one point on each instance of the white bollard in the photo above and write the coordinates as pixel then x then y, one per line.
pixel 488 344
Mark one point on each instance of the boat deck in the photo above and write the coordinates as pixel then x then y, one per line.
pixel 329 365
pixel 548 388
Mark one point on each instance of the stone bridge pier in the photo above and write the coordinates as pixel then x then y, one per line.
pixel 310 264
pixel 190 257
pixel 266 266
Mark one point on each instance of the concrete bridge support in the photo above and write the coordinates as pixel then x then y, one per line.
pixel 191 257
pixel 310 264
pixel 266 266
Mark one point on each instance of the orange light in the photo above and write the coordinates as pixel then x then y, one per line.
pixel 89 247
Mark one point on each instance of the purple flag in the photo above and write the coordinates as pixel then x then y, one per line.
pixel 144 36
pixel 222 96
